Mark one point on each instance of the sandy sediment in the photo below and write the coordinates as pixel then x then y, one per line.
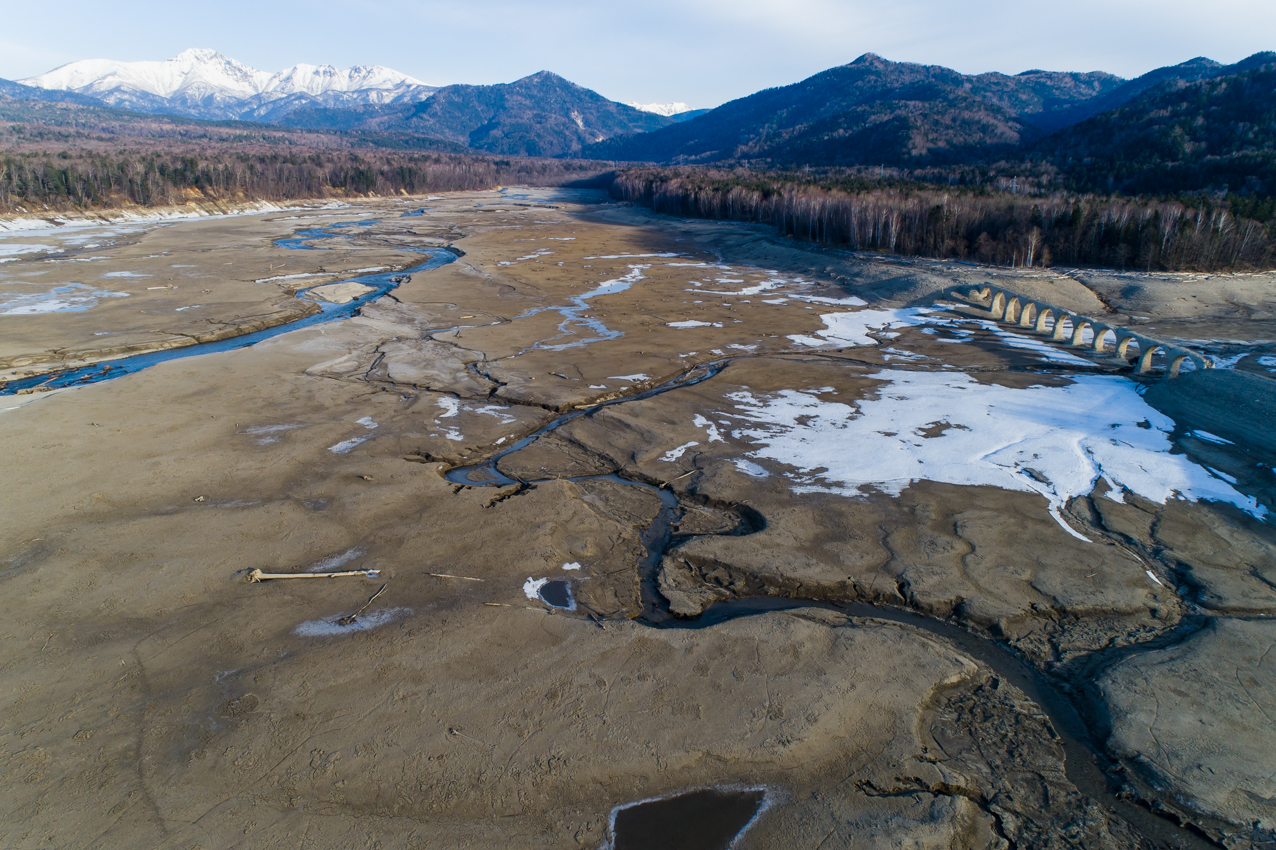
pixel 153 697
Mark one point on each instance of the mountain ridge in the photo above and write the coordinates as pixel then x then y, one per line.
pixel 873 111
pixel 542 114
pixel 1215 133
pixel 868 111
pixel 203 83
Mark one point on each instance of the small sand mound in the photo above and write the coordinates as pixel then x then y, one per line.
pixel 341 293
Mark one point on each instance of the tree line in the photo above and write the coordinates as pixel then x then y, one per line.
pixel 1195 233
pixel 89 181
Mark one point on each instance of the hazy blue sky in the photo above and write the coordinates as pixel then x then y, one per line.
pixel 704 52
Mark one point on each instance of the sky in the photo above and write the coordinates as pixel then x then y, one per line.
pixel 701 52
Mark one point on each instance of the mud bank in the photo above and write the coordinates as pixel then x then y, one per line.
pixel 783 570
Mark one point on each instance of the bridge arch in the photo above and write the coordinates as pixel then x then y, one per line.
pixel 1101 338
pixel 1145 358
pixel 1078 331
pixel 1070 328
pixel 1063 326
pixel 1045 320
pixel 1013 308
pixel 1180 361
pixel 998 306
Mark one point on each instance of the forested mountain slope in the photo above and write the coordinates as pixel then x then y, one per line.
pixel 1217 133
pixel 539 115
pixel 870 112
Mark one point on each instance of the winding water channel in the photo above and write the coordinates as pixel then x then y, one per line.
pixel 1068 710
pixel 380 282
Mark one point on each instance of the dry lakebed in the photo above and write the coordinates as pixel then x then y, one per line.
pixel 623 531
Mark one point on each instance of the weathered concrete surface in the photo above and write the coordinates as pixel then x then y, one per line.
pixel 1236 405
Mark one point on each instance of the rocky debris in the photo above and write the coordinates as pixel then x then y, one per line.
pixel 1002 752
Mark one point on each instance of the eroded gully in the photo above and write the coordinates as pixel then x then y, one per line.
pixel 1070 707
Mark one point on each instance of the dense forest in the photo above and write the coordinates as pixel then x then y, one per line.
pixel 1218 133
pixel 899 217
pixel 30 183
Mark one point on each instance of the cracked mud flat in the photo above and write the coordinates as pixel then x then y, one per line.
pixel 979 555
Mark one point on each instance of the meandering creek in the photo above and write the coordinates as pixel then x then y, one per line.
pixel 379 282
pixel 719 814
pixel 1068 708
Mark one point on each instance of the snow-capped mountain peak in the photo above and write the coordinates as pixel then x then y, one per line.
pixel 320 79
pixel 666 109
pixel 163 79
pixel 206 84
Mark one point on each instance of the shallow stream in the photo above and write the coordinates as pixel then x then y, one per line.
pixel 380 282
pixel 1085 762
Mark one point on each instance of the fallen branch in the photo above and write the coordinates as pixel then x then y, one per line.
pixel 258 575
pixel 345 621
pixel 462 578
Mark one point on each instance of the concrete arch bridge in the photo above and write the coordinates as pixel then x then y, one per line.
pixel 1150 355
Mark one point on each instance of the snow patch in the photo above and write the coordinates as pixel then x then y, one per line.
pixel 14 250
pixel 499 412
pixel 1055 441
pixel 630 256
pixel 68 298
pixel 666 109
pixel 1211 438
pixel 532 588
pixel 714 436
pixel 329 627
pixel 345 446
pixel 854 328
pixel 673 454
pixel 336 562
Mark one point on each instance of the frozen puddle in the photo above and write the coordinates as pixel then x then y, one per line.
pixel 336 562
pixel 345 446
pixel 553 592
pixel 267 434
pixel 706 819
pixel 694 323
pixel 573 315
pixel 1058 441
pixel 68 298
pixel 330 627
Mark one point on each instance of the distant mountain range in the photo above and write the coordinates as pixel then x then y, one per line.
pixel 676 111
pixel 1199 124
pixel 205 84
pixel 874 111
pixel 540 115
